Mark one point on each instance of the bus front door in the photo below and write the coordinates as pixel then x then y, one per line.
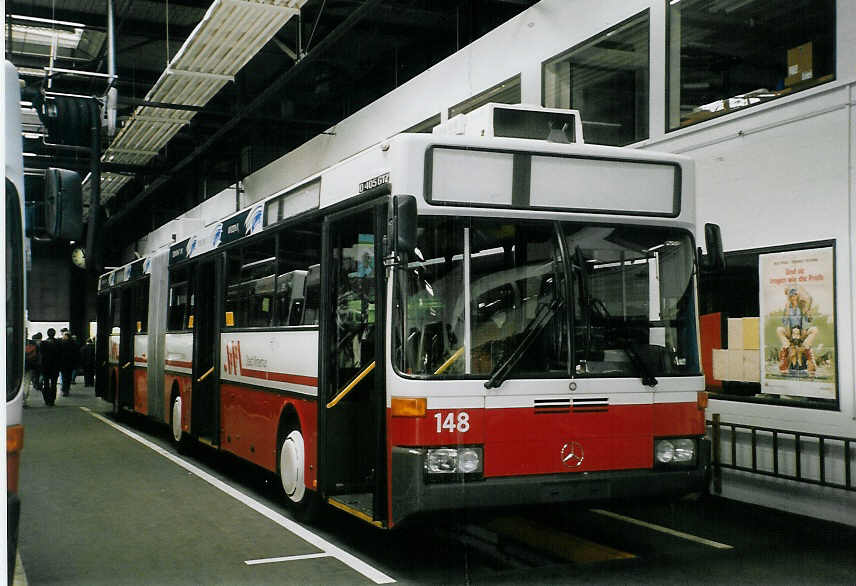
pixel 125 398
pixel 205 396
pixel 352 471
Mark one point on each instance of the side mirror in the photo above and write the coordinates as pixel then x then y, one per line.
pixel 63 205
pixel 714 260
pixel 402 225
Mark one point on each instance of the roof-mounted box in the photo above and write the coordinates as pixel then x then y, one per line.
pixel 517 121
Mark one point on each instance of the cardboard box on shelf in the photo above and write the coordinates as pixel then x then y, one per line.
pixel 751 333
pixel 735 365
pixel 751 366
pixel 735 333
pixel 800 64
pixel 720 364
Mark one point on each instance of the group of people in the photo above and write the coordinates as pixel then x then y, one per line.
pixel 53 361
pixel 796 334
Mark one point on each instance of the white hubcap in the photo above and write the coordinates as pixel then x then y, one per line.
pixel 291 466
pixel 176 419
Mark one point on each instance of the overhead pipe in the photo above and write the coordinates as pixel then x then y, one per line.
pixel 110 106
pixel 94 254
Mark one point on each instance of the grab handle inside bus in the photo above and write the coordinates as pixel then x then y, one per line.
pixel 204 376
pixel 350 386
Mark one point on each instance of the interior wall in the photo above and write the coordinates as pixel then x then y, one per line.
pixel 517 46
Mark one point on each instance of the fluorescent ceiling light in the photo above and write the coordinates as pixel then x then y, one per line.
pixel 39 35
pixel 229 35
pixel 46 21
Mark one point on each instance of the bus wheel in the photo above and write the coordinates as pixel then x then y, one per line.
pixel 178 436
pixel 292 463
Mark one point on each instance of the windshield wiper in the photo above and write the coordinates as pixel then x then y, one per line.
pixel 642 365
pixel 545 313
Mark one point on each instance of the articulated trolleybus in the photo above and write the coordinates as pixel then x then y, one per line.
pixel 492 315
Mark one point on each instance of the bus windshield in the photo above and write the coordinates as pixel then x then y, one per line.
pixel 534 299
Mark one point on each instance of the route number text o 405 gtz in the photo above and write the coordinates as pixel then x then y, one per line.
pixel 453 422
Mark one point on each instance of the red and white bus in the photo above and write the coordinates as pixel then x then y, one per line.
pixel 14 270
pixel 493 315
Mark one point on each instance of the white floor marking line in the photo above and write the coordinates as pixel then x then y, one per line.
pixel 662 529
pixel 290 558
pixel 328 548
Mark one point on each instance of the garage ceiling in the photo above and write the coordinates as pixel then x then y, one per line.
pixel 321 64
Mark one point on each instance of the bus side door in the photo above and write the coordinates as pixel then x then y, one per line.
pixel 352 458
pixel 126 349
pixel 205 396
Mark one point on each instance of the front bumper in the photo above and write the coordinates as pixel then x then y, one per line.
pixel 411 494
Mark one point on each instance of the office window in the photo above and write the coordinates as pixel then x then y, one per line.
pixel 507 92
pixel 731 54
pixel 606 79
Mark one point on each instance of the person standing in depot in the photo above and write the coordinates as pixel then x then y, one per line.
pixel 87 361
pixel 34 360
pixel 50 353
pixel 69 355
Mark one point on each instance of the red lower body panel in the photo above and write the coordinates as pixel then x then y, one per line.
pixel 141 391
pixel 250 423
pixel 183 384
pixel 522 441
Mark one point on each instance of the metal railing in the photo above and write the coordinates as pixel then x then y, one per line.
pixel 819 446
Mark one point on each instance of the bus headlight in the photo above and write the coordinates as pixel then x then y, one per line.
pixel 674 451
pixel 684 450
pixel 664 451
pixel 442 462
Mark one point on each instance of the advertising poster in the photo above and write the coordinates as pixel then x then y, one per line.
pixel 797 299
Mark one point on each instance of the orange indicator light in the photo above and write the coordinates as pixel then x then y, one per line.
pixel 14 438
pixel 409 406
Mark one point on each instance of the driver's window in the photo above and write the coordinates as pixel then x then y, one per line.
pixel 516 285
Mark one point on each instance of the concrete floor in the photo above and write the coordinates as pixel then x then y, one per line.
pixel 114 504
pixel 101 508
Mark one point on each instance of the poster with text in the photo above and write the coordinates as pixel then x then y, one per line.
pixel 797 301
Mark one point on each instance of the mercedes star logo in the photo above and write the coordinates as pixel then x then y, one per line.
pixel 572 455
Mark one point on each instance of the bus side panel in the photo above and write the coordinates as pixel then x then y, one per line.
pixel 178 360
pixel 678 419
pixel 525 441
pixel 250 422
pixel 113 374
pixel 183 382
pixel 141 390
